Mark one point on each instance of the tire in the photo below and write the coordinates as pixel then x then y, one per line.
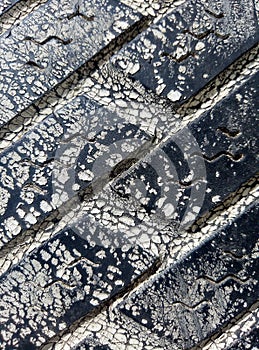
pixel 129 175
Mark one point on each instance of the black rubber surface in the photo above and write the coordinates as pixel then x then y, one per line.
pixel 176 57
pixel 195 298
pixel 129 175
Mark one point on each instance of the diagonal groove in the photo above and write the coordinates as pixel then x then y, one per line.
pixel 55 216
pixel 79 74
pixel 226 327
pixel 188 110
pixel 232 199
pixel 16 12
pixel 83 195
pixel 72 332
pixel 215 86
pixel 118 170
pixel 12 4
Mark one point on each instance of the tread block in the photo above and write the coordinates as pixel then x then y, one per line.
pixel 228 141
pixel 51 43
pixel 194 298
pixel 63 280
pixel 174 56
pixel 118 223
pixel 201 165
pixel 47 167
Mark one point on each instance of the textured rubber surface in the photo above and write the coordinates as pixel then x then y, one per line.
pixel 170 56
pixel 7 5
pixel 35 54
pixel 29 165
pixel 190 301
pixel 249 341
pixel 61 282
pixel 227 141
pixel 129 175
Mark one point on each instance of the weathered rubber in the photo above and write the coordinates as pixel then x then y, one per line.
pixel 192 300
pixel 126 198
